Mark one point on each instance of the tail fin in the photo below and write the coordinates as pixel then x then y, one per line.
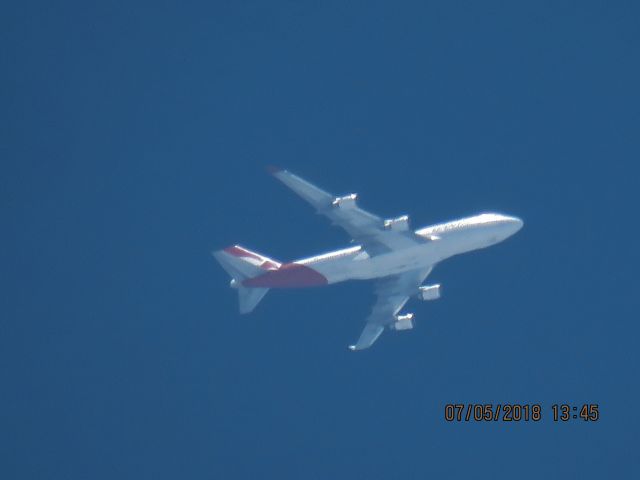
pixel 241 264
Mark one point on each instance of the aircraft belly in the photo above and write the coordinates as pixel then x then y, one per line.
pixel 342 269
pixel 402 261
pixel 365 267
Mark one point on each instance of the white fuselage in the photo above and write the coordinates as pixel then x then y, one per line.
pixel 441 242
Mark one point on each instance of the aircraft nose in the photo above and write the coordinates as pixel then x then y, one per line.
pixel 514 223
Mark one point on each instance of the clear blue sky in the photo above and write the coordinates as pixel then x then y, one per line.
pixel 134 138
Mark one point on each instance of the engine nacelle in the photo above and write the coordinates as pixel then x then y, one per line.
pixel 346 202
pixel 403 322
pixel 400 224
pixel 429 292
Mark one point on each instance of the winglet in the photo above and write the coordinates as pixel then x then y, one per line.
pixel 369 335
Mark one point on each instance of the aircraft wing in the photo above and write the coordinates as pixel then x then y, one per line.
pixel 376 235
pixel 392 293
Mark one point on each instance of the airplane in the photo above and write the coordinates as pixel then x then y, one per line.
pixel 388 251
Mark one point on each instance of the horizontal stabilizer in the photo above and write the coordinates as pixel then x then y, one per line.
pixel 250 297
pixel 243 264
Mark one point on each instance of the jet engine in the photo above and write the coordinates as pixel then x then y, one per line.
pixel 346 202
pixel 429 292
pixel 403 322
pixel 400 224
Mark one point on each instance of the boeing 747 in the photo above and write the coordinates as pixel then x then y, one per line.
pixel 398 258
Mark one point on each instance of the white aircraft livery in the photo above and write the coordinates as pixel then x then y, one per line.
pixel 397 258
